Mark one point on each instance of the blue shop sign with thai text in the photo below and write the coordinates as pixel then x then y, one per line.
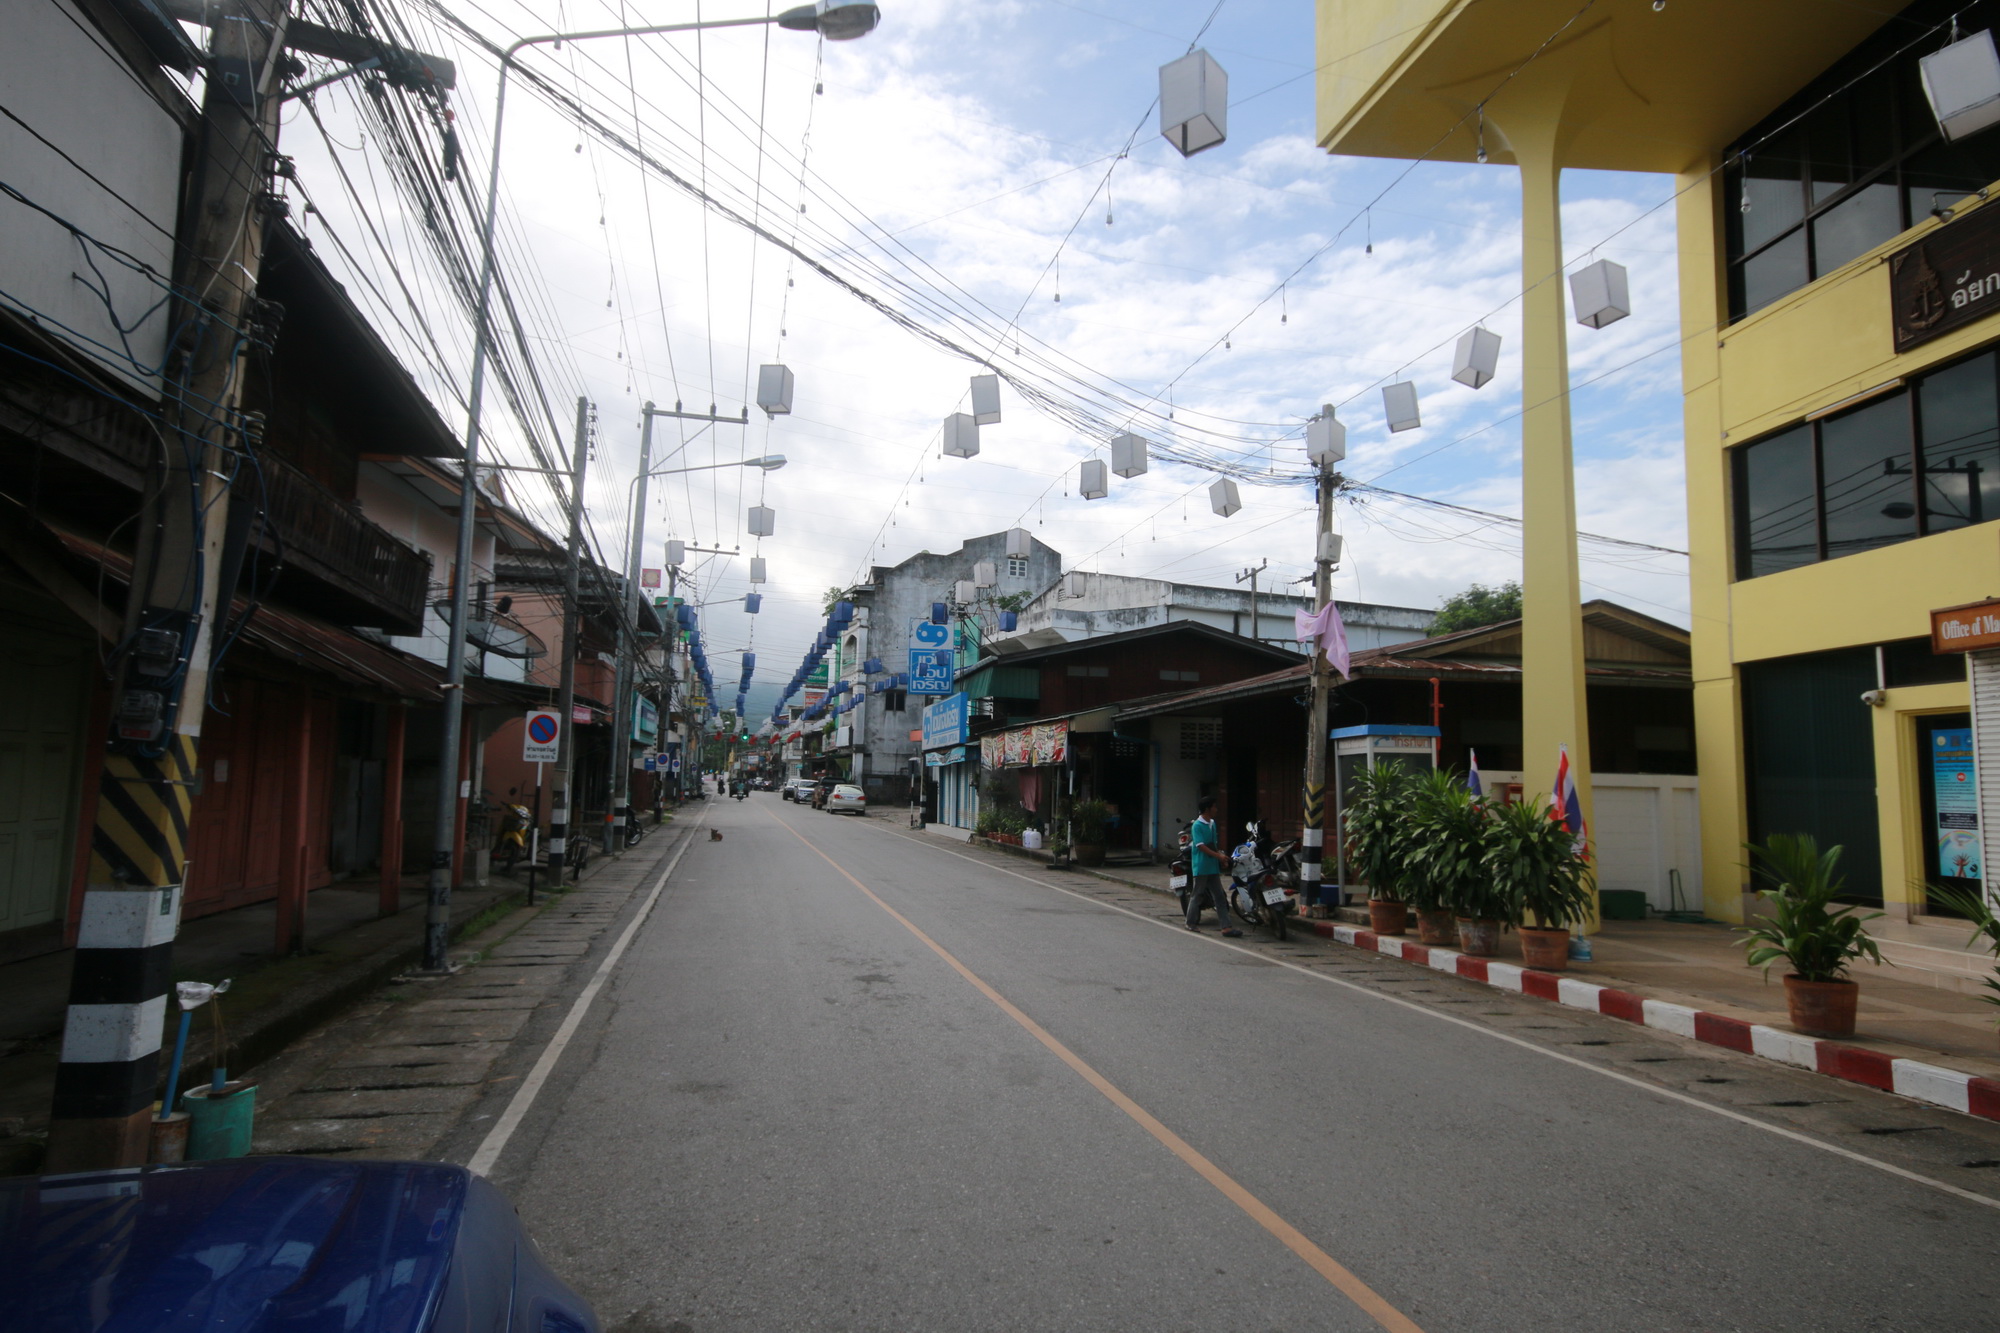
pixel 946 721
pixel 932 670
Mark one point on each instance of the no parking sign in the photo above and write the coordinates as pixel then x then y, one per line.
pixel 542 737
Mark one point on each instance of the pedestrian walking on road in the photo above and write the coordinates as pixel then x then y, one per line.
pixel 1205 865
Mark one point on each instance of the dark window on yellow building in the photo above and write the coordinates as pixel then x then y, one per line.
pixel 1919 460
pixel 1851 161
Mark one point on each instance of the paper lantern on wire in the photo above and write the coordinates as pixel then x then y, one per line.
pixel 983 574
pixel 1476 358
pixel 1073 583
pixel 774 390
pixel 1962 83
pixel 985 399
pixel 677 553
pixel 753 602
pixel 965 591
pixel 1598 294
pixel 756 569
pixel 1326 439
pixel 1222 497
pixel 1008 621
pixel 763 521
pixel 1128 454
pixel 940 613
pixel 1092 483
pixel 1399 405
pixel 961 436
pixel 1018 543
pixel 1194 103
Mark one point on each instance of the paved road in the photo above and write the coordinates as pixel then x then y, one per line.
pixel 789 1109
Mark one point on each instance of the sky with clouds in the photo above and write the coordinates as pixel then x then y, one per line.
pixel 961 166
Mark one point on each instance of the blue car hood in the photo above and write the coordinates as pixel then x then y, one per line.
pixel 274 1245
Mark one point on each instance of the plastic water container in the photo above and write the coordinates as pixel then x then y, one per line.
pixel 1031 839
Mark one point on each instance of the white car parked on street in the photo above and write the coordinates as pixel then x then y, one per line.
pixel 846 799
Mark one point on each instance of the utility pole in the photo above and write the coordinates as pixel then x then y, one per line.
pixel 1251 574
pixel 1326 445
pixel 119 980
pixel 559 798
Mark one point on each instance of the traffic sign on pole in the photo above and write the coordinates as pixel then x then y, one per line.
pixel 542 737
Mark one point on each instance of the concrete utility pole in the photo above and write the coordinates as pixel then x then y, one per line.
pixel 120 978
pixel 559 797
pixel 1251 575
pixel 1312 837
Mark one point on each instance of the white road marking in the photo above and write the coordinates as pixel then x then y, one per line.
pixel 524 1096
pixel 1497 1035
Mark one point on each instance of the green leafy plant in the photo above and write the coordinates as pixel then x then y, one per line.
pixel 1476 606
pixel 1532 864
pixel 1088 820
pixel 1806 927
pixel 1376 819
pixel 1443 846
pixel 1985 926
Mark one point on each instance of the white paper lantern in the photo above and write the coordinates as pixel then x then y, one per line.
pixel 1091 481
pixel 1477 357
pixel 1963 85
pixel 985 399
pixel 1598 294
pixel 1128 455
pixel 1018 543
pixel 774 390
pixel 966 591
pixel 1222 497
pixel 756 569
pixel 961 435
pixel 1399 405
pixel 677 553
pixel 983 575
pixel 763 522
pixel 1073 583
pixel 1326 439
pixel 1194 103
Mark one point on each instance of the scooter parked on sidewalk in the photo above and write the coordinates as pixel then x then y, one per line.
pixel 1258 880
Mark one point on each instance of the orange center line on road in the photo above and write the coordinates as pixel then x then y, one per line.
pixel 1350 1286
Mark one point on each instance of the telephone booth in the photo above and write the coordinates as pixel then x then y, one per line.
pixel 1355 748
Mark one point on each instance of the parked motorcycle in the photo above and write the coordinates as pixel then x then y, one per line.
pixel 1263 876
pixel 512 843
pixel 1178 877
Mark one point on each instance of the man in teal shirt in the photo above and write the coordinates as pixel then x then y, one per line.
pixel 1204 847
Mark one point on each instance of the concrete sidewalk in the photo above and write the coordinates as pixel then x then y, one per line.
pixel 350 951
pixel 1906 1012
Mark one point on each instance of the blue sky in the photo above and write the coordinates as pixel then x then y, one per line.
pixel 977 135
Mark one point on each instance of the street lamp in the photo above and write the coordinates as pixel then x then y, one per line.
pixel 835 20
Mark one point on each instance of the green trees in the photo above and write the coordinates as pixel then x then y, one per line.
pixel 1476 606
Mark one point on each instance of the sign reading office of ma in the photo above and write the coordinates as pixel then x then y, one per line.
pixel 1966 629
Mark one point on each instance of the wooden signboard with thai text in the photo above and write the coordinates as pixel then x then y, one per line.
pixel 1947 279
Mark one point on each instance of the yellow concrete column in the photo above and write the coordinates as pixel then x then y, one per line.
pixel 1718 715
pixel 1553 711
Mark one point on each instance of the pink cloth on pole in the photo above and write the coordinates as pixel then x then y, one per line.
pixel 1324 630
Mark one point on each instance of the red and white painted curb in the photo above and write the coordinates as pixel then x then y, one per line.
pixel 1949 1088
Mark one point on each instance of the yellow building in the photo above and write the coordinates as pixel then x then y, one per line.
pixel 1840 365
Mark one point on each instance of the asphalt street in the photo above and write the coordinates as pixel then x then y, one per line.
pixel 848 1077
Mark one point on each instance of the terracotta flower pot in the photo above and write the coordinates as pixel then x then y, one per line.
pixel 1481 939
pixel 1089 853
pixel 1822 1008
pixel 1386 916
pixel 1436 927
pixel 1547 950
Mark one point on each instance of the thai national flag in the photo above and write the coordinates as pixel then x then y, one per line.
pixel 1472 775
pixel 1567 806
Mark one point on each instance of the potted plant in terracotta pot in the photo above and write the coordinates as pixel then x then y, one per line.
pixel 1533 863
pixel 1978 913
pixel 1808 930
pixel 1088 820
pixel 1443 852
pixel 1377 824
